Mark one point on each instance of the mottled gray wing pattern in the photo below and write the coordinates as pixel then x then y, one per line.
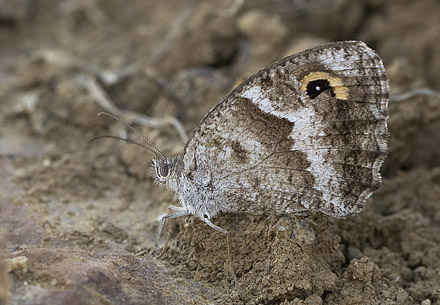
pixel 308 132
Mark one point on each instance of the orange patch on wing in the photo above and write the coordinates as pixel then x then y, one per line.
pixel 341 91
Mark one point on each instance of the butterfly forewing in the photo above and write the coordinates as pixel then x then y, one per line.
pixel 308 132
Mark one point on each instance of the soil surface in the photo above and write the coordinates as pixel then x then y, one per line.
pixel 77 220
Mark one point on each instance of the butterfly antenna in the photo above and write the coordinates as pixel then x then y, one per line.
pixel 157 152
pixel 122 139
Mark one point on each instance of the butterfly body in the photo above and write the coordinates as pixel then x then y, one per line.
pixel 306 133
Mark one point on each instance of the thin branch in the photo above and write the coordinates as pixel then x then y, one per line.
pixel 412 93
pixel 103 100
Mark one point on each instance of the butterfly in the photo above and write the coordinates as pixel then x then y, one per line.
pixel 307 133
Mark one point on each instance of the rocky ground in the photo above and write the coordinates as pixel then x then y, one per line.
pixel 77 220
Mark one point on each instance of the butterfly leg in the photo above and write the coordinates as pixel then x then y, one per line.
pixel 176 208
pixel 209 223
pixel 162 222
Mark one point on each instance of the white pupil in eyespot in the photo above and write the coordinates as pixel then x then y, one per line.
pixel 318 88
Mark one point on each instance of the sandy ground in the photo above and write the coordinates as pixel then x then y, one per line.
pixel 77 220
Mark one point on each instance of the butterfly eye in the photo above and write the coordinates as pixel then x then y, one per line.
pixel 316 87
pixel 164 170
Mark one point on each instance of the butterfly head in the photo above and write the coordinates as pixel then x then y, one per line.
pixel 166 170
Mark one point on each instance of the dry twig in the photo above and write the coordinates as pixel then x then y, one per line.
pixel 103 100
pixel 410 94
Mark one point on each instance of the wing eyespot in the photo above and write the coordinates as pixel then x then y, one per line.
pixel 316 87
pixel 315 83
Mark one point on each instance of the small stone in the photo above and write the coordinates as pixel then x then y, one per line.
pixel 19 262
pixel 426 302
